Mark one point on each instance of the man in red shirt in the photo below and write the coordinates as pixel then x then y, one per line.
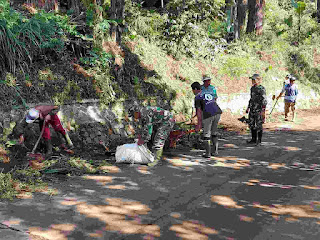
pixel 43 114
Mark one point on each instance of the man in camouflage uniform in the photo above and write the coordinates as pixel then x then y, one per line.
pixel 146 121
pixel 256 109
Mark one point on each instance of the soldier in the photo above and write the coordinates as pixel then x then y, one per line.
pixel 256 109
pixel 148 120
pixel 291 92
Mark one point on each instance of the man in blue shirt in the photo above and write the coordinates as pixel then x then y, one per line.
pixel 207 87
pixel 208 113
pixel 291 92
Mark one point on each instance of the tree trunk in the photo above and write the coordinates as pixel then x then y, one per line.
pixel 318 10
pixel 117 14
pixel 75 5
pixel 251 16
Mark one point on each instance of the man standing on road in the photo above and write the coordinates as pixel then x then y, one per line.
pixel 146 120
pixel 44 115
pixel 207 87
pixel 256 109
pixel 291 92
pixel 208 113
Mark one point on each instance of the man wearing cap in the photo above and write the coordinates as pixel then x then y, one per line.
pixel 256 109
pixel 208 113
pixel 44 115
pixel 207 87
pixel 291 92
pixel 152 121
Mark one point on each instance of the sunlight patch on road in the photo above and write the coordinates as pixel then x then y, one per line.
pixel 175 215
pixel 276 166
pixel 37 233
pixel 71 202
pixel 120 187
pixel 229 145
pixel 97 234
pixel 245 218
pixel 116 215
pixel 295 211
pixel 288 148
pixel 143 170
pixel 11 222
pixel 192 230
pixel 110 169
pixel 225 201
pixel 101 179
pixel 236 163
pixel 181 162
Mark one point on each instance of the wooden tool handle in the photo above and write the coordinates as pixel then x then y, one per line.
pixel 36 145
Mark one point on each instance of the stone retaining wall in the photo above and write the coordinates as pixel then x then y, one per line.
pixel 88 124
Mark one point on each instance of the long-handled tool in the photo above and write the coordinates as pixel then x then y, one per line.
pixel 273 97
pixel 37 156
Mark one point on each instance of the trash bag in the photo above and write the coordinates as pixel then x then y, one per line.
pixel 133 153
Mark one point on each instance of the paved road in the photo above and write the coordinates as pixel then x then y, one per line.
pixel 247 192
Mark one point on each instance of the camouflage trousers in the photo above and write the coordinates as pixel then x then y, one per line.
pixel 160 134
pixel 255 121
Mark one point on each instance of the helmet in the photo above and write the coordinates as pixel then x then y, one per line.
pixel 32 115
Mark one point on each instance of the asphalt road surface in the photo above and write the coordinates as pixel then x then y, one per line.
pixel 247 192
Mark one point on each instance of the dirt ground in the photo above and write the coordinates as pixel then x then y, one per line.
pixel 306 120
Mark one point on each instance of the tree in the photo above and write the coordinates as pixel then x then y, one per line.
pixel 251 16
pixel 117 14
pixel 318 10
pixel 255 16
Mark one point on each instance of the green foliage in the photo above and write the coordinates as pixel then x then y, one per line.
pixel 6 186
pixel 217 29
pixel 97 58
pixel 69 90
pixel 143 22
pixel 82 164
pixel 11 17
pixel 235 66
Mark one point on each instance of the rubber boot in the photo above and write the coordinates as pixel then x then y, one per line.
pixel 48 147
pixel 67 140
pixel 215 146
pixel 158 155
pixel 207 147
pixel 253 137
pixel 259 138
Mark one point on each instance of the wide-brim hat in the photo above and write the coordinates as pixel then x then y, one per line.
pixel 205 78
pixel 32 115
pixel 254 76
pixel 291 77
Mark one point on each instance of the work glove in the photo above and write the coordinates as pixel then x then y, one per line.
pixel 21 139
pixel 140 141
